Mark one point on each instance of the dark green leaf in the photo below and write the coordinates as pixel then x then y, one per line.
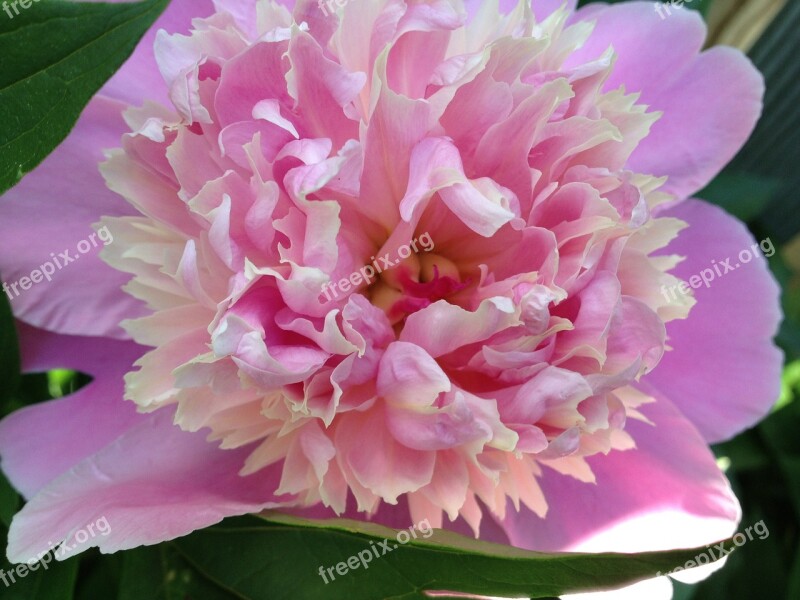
pixel 56 55
pixel 794 579
pixel 742 195
pixel 279 557
pixel 9 352
pixel 32 389
pixel 683 591
pixel 98 576
pixel 9 501
pixel 746 452
pixel 54 581
pixel 161 573
pixel 780 434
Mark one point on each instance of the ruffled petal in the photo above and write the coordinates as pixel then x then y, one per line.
pixel 139 79
pixel 541 8
pixel 441 327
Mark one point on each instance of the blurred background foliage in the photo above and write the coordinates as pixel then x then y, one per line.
pixel 763 464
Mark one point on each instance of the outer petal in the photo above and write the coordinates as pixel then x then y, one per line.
pixel 42 441
pixel 724 370
pixel 729 90
pixel 154 483
pixel 86 298
pixel 710 102
pixel 666 493
pixel 651 53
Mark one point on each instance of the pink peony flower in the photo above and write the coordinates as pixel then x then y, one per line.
pixel 403 261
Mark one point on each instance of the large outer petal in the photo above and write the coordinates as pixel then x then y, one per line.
pixel 152 484
pixel 51 211
pixel 711 101
pixel 724 370
pixel 40 442
pixel 666 493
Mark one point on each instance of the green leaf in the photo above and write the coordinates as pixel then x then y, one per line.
pixel 683 591
pixel 56 55
pixel 780 434
pixel 745 452
pixel 9 501
pixel 54 581
pixel 743 195
pixel 794 581
pixel 9 352
pixel 161 573
pixel 32 389
pixel 98 576
pixel 279 557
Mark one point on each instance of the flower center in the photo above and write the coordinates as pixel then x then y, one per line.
pixel 417 282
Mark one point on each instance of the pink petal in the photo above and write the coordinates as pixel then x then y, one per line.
pixel 724 371
pixel 320 87
pixel 139 78
pixel 710 101
pixel 666 493
pixel 408 375
pixel 152 484
pixel 651 52
pixel 442 327
pixel 701 141
pixel 544 8
pixel 86 298
pixel 29 436
pixel 410 469
pixel 541 8
pixel 396 126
